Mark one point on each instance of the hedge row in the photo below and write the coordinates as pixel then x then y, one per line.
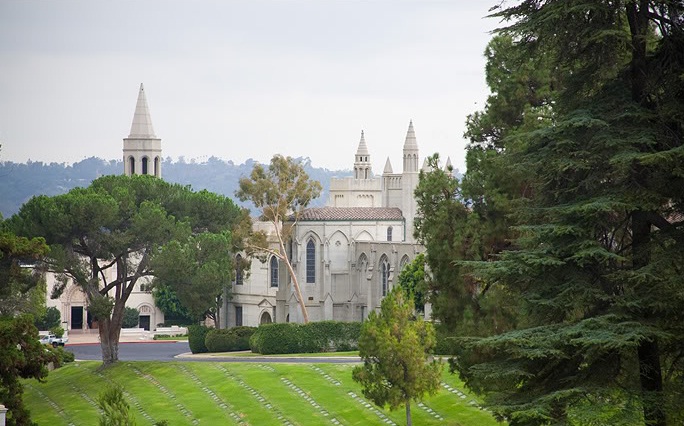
pixel 321 336
pixel 229 339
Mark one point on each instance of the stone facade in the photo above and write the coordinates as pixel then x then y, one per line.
pixel 347 255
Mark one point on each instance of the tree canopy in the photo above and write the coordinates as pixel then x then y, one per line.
pixel 21 288
pixel 576 160
pixel 103 237
pixel 395 348
pixel 197 270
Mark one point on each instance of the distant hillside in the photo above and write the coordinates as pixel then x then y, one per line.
pixel 19 182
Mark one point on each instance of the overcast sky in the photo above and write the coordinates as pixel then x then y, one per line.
pixel 241 79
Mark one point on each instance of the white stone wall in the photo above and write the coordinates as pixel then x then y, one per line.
pixel 72 296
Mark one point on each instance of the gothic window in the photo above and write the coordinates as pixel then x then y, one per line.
pixel 145 160
pixel 274 271
pixel 310 262
pixel 384 275
pixel 389 233
pixel 238 270
pixel 156 166
pixel 131 165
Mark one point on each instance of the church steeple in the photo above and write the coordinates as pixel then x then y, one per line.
pixel 142 148
pixel 362 165
pixel 411 151
pixel 142 123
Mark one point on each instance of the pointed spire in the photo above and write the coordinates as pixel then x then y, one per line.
pixel 142 123
pixel 426 166
pixel 411 151
pixel 388 168
pixel 410 142
pixel 448 164
pixel 363 148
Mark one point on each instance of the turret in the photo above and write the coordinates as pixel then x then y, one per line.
pixel 411 151
pixel 362 165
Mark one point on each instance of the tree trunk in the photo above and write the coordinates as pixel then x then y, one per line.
pixel 293 276
pixel 408 412
pixel 110 330
pixel 109 342
pixel 650 373
pixel 651 383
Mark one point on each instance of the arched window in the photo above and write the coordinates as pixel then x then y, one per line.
pixel 131 165
pixel 384 275
pixel 310 262
pixel 156 166
pixel 238 270
pixel 389 233
pixel 404 262
pixel 265 318
pixel 145 160
pixel 274 272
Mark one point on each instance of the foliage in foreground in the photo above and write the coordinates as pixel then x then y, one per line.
pixel 395 348
pixel 115 408
pixel 572 207
pixel 21 356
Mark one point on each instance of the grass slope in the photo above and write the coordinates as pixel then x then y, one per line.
pixel 193 393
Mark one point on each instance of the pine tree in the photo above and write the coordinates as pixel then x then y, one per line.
pixel 395 349
pixel 598 240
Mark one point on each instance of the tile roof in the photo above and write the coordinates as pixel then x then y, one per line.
pixel 351 213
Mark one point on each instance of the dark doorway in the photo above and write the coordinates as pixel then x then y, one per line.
pixel 77 317
pixel 144 322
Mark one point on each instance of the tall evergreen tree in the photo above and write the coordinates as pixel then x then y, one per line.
pixel 596 197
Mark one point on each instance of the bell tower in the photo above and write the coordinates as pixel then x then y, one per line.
pixel 142 149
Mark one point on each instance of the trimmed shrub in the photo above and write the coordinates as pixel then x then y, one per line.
pixel 229 340
pixel 275 338
pixel 321 336
pixel 196 336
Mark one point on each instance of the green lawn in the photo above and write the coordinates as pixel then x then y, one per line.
pixel 208 393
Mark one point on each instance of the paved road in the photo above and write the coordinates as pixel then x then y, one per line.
pixel 152 351
pixel 167 351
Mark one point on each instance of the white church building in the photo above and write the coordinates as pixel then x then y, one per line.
pixel 347 255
